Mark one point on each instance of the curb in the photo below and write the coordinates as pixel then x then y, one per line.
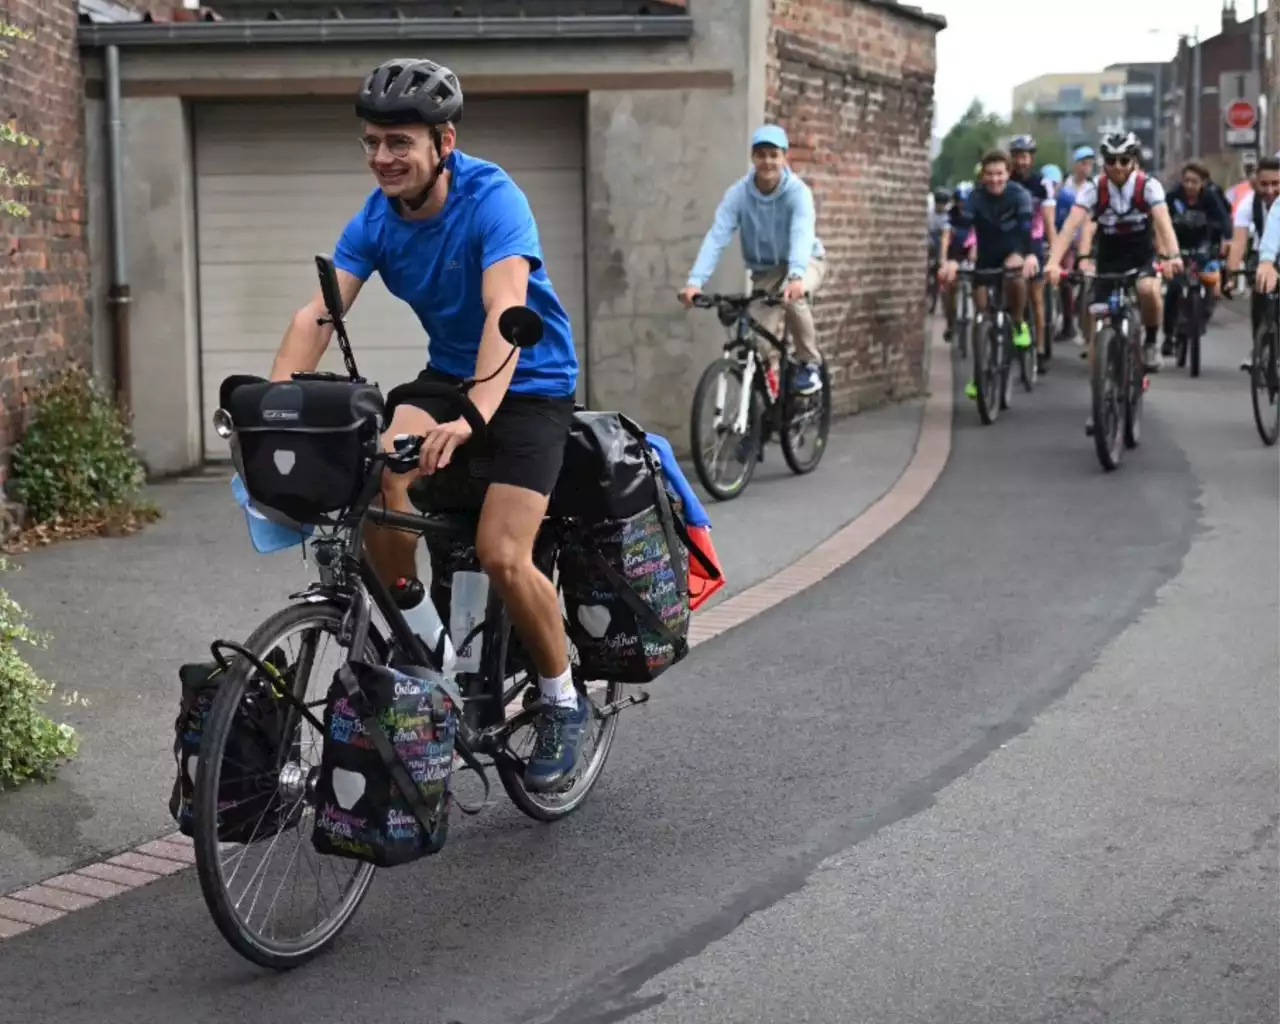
pixel 63 894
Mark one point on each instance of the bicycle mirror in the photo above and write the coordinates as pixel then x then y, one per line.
pixel 329 286
pixel 521 326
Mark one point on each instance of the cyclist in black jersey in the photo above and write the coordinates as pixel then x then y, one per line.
pixel 1022 151
pixel 1202 222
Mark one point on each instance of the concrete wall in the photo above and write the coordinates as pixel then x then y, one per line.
pixel 658 162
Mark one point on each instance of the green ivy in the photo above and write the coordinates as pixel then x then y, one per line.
pixel 76 459
pixel 31 744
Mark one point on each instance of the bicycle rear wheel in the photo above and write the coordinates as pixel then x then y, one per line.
pixel 805 419
pixel 1107 387
pixel 715 443
pixel 1196 335
pixel 219 865
pixel 1264 381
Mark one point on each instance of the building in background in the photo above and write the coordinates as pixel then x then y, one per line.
pixel 1143 84
pixel 1224 67
pixel 623 120
pixel 1079 107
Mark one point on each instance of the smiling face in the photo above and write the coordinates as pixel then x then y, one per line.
pixel 1119 168
pixel 1268 185
pixel 768 162
pixel 404 157
pixel 1022 161
pixel 995 176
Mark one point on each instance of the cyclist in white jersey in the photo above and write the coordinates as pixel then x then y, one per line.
pixel 1127 209
pixel 1249 222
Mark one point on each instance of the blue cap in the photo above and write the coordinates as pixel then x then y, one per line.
pixel 267 536
pixel 770 135
pixel 1051 172
pixel 1082 153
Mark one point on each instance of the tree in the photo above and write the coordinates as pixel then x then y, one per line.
pixel 962 147
pixel 9 133
pixel 1051 146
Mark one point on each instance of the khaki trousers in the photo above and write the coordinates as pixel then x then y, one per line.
pixel 799 314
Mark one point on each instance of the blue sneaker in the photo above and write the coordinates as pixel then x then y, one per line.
pixel 807 380
pixel 557 740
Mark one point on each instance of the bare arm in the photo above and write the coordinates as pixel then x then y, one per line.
pixel 305 340
pixel 504 284
pixel 1164 231
pixel 1239 238
pixel 1062 238
pixel 1049 213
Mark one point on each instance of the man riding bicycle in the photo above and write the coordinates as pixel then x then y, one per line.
pixel 1202 223
pixel 1249 224
pixel 1000 213
pixel 1129 212
pixel 1081 172
pixel 454 237
pixel 1044 229
pixel 960 248
pixel 772 209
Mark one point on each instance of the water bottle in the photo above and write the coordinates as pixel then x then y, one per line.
pixel 466 612
pixel 420 613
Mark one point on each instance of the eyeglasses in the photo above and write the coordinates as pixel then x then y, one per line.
pixel 1123 161
pixel 398 145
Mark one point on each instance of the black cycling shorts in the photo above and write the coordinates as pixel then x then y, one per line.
pixel 1142 259
pixel 523 446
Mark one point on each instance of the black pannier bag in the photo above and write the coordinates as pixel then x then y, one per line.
pixel 302 446
pixel 250 808
pixel 383 790
pixel 624 572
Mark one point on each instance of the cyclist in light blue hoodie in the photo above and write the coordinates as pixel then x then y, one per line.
pixel 773 210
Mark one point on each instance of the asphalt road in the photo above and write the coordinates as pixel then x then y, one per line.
pixel 1016 762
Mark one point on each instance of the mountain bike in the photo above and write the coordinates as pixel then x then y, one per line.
pixel 740 423
pixel 1118 379
pixel 993 351
pixel 964 311
pixel 499 701
pixel 1263 366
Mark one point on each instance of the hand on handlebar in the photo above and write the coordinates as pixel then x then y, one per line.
pixel 687 296
pixel 793 292
pixel 1172 267
pixel 440 442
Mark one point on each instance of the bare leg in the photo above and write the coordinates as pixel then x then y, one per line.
pixel 392 553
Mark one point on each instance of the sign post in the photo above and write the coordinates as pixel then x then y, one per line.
pixel 1239 113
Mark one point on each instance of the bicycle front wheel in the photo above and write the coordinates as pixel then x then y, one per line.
pixel 987 377
pixel 725 452
pixel 245 882
pixel 1107 386
pixel 1264 381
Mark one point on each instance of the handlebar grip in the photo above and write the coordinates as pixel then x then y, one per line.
pixel 458 402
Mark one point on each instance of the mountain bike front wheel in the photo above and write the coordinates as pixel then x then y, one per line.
pixel 724 457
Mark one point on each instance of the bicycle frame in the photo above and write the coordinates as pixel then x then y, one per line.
pixel 742 346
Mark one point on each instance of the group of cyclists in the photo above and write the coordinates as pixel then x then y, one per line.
pixel 1121 220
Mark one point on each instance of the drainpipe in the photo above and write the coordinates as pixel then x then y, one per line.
pixel 118 296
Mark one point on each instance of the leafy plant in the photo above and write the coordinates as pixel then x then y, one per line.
pixel 9 133
pixel 31 744
pixel 76 465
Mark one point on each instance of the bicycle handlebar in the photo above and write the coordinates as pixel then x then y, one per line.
pixel 737 301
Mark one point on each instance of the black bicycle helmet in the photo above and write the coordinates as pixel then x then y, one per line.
pixel 410 91
pixel 1022 144
pixel 1121 144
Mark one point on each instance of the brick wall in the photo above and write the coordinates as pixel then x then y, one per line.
pixel 44 261
pixel 852 82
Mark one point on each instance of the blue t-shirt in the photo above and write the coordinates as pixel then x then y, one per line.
pixel 436 264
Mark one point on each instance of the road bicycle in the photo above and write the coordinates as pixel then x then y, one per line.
pixel 1263 366
pixel 1118 379
pixel 964 311
pixel 993 351
pixel 499 701
pixel 740 402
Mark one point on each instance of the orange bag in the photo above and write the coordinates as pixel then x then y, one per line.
pixel 705 574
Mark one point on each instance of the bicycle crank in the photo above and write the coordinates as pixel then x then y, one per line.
pixel 609 710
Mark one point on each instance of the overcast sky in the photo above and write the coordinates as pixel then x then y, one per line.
pixel 987 49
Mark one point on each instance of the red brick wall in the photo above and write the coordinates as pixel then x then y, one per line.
pixel 44 260
pixel 852 82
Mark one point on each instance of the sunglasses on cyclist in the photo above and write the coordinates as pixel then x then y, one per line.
pixel 1122 161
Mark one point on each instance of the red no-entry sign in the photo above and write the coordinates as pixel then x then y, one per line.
pixel 1241 115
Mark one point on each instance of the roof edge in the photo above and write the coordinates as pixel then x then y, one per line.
pixel 379 30
pixel 919 14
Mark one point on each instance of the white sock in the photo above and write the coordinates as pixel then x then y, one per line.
pixel 559 690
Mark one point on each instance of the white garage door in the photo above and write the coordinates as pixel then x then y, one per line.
pixel 275 184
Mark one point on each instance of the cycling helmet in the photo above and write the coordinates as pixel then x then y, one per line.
pixel 1051 173
pixel 410 91
pixel 1022 144
pixel 941 196
pixel 962 191
pixel 1121 144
